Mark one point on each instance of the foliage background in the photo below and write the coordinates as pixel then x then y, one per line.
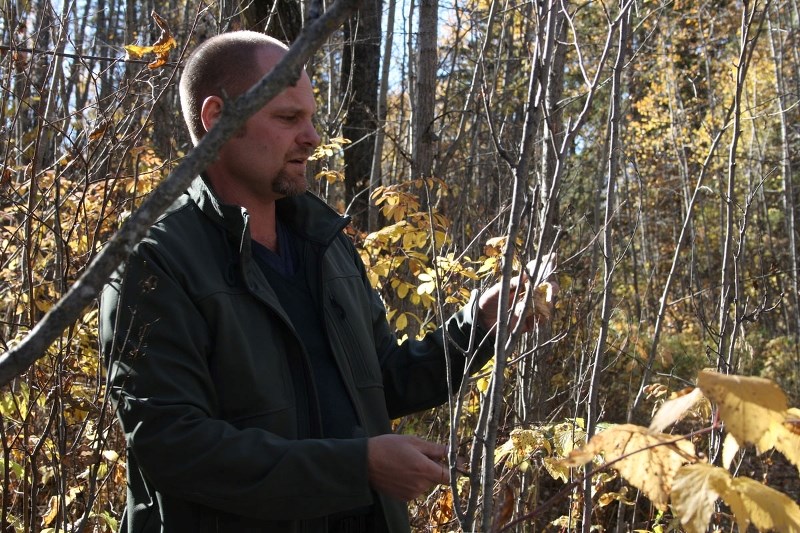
pixel 652 144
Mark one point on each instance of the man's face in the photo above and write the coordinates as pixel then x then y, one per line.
pixel 266 160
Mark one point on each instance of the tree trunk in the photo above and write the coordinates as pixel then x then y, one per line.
pixel 281 19
pixel 360 75
pixel 424 111
pixel 376 171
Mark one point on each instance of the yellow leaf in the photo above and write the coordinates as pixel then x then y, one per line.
pixel 568 435
pixel 607 498
pixel 442 511
pixel 729 449
pixel 135 51
pixel 673 410
pixel 439 238
pixel 51 513
pixel 489 265
pixel 556 469
pixel 522 443
pixel 787 437
pixel 748 406
pixel 764 507
pixel 160 48
pixel 695 490
pixel 402 289
pixel 648 461
pixel 402 322
pixel 426 288
pixel 110 455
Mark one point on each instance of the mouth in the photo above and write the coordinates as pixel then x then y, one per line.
pixel 299 160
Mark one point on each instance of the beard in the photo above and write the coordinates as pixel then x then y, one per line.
pixel 289 184
pixel 291 179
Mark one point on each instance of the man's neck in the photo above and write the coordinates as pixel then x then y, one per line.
pixel 263 226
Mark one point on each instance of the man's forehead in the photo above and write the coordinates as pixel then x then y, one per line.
pixel 294 98
pixel 268 56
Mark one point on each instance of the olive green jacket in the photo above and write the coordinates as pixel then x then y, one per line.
pixel 199 350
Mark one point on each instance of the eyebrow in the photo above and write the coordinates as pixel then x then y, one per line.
pixel 293 109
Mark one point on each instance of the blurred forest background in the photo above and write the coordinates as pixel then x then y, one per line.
pixel 652 144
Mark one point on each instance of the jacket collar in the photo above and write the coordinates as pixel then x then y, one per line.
pixel 306 214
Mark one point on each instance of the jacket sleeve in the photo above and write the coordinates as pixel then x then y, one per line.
pixel 156 343
pixel 415 371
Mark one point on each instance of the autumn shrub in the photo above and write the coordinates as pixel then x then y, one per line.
pixel 63 455
pixel 408 263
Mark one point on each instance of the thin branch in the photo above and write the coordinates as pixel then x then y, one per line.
pixel 4 48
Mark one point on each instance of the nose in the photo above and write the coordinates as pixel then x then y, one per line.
pixel 309 136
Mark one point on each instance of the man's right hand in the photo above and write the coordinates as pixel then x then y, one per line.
pixel 404 466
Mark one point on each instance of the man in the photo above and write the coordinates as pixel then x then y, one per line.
pixel 251 363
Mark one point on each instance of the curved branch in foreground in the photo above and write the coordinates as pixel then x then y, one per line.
pixel 67 310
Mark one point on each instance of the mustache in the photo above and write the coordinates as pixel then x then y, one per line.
pixel 300 154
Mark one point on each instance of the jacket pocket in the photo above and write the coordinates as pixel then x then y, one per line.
pixel 353 344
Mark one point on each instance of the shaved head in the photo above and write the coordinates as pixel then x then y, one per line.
pixel 225 66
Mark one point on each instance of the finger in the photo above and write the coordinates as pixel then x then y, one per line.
pixel 432 450
pixel 515 280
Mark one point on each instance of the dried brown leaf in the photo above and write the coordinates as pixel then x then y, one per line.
pixel 442 511
pixel 161 48
pixel 648 461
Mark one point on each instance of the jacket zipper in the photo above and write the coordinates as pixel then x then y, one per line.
pixel 338 309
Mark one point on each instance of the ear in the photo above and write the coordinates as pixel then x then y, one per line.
pixel 210 111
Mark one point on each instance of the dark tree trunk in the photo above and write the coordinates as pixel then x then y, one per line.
pixel 360 76
pixel 282 19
